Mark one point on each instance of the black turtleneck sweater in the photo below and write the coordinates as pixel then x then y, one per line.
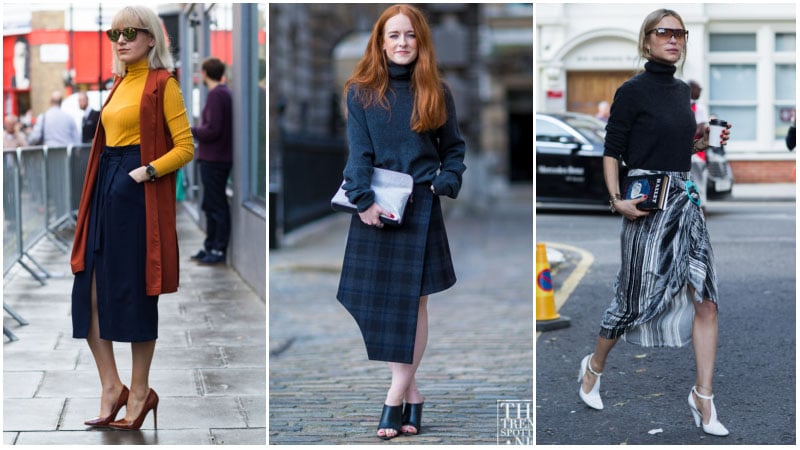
pixel 378 137
pixel 652 125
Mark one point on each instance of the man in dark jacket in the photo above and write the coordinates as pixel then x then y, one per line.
pixel 90 118
pixel 214 156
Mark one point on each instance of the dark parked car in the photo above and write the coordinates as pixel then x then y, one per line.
pixel 569 163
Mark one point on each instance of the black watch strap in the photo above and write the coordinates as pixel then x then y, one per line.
pixel 151 172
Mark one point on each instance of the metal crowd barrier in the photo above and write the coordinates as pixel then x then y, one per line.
pixel 32 206
pixel 12 250
pixel 41 193
pixel 59 206
pixel 45 183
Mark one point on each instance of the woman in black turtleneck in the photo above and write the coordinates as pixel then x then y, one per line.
pixel 401 117
pixel 666 288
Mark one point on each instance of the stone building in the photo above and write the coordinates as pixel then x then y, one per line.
pixel 743 57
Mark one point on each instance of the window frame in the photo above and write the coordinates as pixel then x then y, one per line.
pixel 766 59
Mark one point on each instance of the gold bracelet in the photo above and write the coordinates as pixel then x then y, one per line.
pixel 695 149
pixel 612 200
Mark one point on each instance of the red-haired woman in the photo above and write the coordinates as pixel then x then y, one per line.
pixel 400 116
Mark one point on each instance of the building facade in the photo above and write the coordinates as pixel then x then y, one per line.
pixel 743 57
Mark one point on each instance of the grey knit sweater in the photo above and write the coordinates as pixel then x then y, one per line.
pixel 383 138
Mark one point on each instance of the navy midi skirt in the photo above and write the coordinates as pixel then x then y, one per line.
pixel 115 255
pixel 386 270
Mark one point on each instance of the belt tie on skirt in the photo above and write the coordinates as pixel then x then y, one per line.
pixel 110 158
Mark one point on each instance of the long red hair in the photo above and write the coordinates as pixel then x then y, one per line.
pixel 371 75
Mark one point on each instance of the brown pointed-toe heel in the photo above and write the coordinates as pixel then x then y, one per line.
pixel 150 403
pixel 104 421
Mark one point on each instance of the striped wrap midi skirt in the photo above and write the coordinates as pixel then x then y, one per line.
pixel 386 270
pixel 667 262
pixel 115 255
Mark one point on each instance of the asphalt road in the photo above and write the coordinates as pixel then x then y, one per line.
pixel 645 389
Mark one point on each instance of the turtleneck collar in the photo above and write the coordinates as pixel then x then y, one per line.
pixel 659 68
pixel 400 72
pixel 138 68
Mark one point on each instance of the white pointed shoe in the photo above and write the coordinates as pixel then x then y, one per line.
pixel 714 427
pixel 593 397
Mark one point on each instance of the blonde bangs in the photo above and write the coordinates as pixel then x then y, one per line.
pixel 143 17
pixel 127 17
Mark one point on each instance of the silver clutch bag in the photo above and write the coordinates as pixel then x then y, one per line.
pixel 392 192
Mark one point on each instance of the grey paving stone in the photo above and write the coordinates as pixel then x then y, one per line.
pixel 254 409
pixel 233 381
pixel 10 437
pixel 45 360
pixel 31 414
pixel 203 412
pixel 87 384
pixel 245 436
pixel 18 384
pixel 226 337
pixel 244 357
pixel 118 437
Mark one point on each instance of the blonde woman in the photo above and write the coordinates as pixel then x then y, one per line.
pixel 666 290
pixel 125 252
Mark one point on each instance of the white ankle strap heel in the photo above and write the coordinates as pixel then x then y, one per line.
pixel 592 399
pixel 714 427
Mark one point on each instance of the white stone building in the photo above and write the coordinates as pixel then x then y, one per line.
pixel 744 56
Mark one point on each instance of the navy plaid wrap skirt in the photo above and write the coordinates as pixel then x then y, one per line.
pixel 386 270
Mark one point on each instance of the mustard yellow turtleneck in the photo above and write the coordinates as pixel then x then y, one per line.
pixel 120 118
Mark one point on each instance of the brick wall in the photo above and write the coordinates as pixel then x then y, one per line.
pixel 46 77
pixel 763 171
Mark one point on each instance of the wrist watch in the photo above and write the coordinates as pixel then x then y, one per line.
pixel 151 172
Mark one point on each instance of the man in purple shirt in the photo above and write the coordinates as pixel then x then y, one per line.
pixel 214 156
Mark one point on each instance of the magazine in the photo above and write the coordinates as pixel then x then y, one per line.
pixel 655 187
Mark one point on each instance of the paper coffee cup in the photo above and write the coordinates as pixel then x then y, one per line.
pixel 715 132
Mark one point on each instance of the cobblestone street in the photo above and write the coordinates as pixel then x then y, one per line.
pixel 322 387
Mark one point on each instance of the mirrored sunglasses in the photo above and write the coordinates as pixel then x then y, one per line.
pixel 128 33
pixel 667 33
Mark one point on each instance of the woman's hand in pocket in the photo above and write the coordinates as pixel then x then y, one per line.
pixel 139 174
